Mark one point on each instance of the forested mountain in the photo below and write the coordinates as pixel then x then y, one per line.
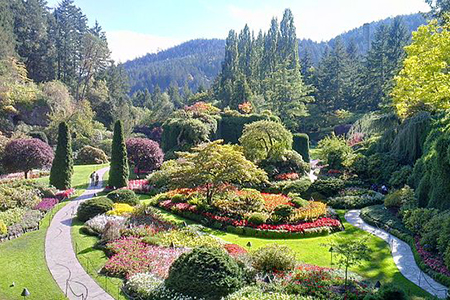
pixel 192 64
pixel 196 63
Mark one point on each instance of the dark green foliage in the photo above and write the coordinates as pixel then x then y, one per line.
pixel 355 201
pixel 257 218
pixel 377 168
pixel 398 198
pixel 388 292
pixel 400 178
pixel 39 135
pixel 123 196
pixel 299 186
pixel 274 257
pixel 378 215
pixel 205 272
pixel 408 144
pixel 231 125
pixel 62 167
pixel 283 212
pixel 301 145
pixel 118 173
pixel 93 207
pixel 327 187
pixel 374 123
pixel 416 219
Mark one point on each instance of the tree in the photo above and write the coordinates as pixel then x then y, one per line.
pixel 62 166
pixel 439 7
pixel 424 81
pixel 24 155
pixel 118 173
pixel 213 164
pixel 265 140
pixel 349 253
pixel 144 154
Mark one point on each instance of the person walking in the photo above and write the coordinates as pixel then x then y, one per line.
pixel 97 178
pixel 92 178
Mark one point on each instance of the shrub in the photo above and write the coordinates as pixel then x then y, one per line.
pixel 432 230
pixel 97 224
pixel 144 154
pixel 416 219
pixel 400 197
pixel 143 284
pixel 356 201
pixel 301 145
pixel 335 152
pixel 205 272
pixel 123 196
pixel 120 209
pixel 187 238
pixel 447 257
pixel 93 207
pixel 274 257
pixel 12 216
pixel 111 232
pixel 327 186
pixel 283 211
pixel 118 172
pixel 400 178
pixel 3 228
pixel 257 218
pixel 390 292
pixel 299 186
pixel 90 155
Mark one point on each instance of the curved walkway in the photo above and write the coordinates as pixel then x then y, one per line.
pixel 61 259
pixel 402 255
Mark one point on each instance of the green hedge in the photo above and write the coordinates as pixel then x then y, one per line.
pixel 231 126
pixel 301 145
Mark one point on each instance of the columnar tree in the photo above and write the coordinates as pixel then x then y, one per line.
pixel 62 167
pixel 118 172
pixel 24 155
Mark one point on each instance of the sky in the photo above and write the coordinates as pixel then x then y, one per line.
pixel 137 27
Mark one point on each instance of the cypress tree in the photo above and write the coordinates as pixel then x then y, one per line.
pixel 118 172
pixel 62 167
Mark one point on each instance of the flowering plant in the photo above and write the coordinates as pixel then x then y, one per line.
pixel 245 107
pixel 287 176
pixel 46 204
pixel 120 209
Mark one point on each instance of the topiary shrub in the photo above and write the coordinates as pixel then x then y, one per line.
pixel 283 212
pixel 301 145
pixel 62 166
pixel 93 207
pixel 119 171
pixel 123 196
pixel 447 257
pixel 89 155
pixel 205 272
pixel 257 218
pixel 274 257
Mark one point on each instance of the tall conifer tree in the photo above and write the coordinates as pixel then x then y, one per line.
pixel 62 167
pixel 118 172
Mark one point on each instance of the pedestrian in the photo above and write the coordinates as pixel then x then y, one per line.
pixel 97 178
pixel 92 178
pixel 384 190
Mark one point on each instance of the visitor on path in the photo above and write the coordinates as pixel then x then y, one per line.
pixel 97 178
pixel 92 178
pixel 384 190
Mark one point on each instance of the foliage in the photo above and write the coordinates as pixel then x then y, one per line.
pixel 335 152
pixel 97 224
pixel 62 166
pixel 400 197
pixel 27 154
pixel 143 284
pixel 118 172
pixel 205 272
pixel 326 187
pixel 120 209
pixel 93 207
pixel 123 196
pixel 205 166
pixel 89 155
pixel 299 186
pixel 400 178
pixel 274 257
pixel 416 219
pixel 301 145
pixel 423 81
pixel 3 228
pixel 186 238
pixel 356 201
pixel 265 140
pixel 257 218
pixel 144 154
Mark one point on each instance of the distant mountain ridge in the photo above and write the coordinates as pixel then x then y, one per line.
pixel 197 62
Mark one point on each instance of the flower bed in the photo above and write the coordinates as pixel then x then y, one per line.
pixel 433 261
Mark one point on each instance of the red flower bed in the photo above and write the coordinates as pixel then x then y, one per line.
pixel 62 195
pixel 431 260
pixel 234 250
pixel 287 176
pixel 139 186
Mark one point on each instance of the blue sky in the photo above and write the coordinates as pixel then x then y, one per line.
pixel 137 27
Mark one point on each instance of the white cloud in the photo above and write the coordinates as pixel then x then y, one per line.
pixel 126 45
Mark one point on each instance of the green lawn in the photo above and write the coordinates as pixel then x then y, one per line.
pixel 22 260
pixel 312 251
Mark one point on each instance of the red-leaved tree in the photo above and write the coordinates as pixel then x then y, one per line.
pixel 24 155
pixel 144 154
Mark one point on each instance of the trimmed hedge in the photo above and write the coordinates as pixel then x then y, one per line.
pixel 93 207
pixel 301 145
pixel 123 196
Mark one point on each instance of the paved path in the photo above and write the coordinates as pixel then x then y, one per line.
pixel 403 256
pixel 60 255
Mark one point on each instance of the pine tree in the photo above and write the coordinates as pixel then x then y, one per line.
pixel 118 172
pixel 62 167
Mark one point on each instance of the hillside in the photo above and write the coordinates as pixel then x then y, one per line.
pixel 197 62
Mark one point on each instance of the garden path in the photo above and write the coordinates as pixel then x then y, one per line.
pixel 402 255
pixel 60 255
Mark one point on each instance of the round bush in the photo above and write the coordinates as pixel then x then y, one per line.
pixel 90 155
pixel 257 218
pixel 205 272
pixel 124 196
pixel 274 257
pixel 93 207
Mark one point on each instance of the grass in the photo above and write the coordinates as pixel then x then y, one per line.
pixel 313 251
pixel 22 260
